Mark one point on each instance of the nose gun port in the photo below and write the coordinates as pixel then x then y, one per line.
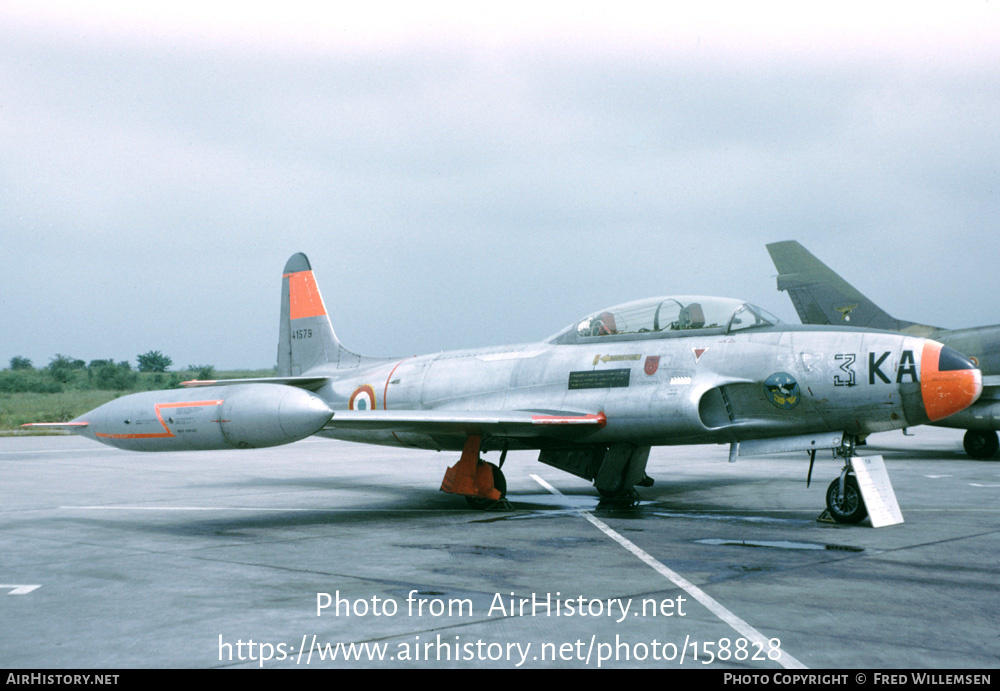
pixel 949 381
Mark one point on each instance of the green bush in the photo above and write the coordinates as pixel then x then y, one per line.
pixel 202 371
pixel 63 368
pixel 113 377
pixel 28 381
pixel 153 361
pixel 20 363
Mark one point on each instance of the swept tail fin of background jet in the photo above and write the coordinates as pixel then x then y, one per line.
pixel 820 296
pixel 305 336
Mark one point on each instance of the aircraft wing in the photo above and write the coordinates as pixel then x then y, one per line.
pixel 310 383
pixel 505 423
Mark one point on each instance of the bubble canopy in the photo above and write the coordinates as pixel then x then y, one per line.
pixel 668 317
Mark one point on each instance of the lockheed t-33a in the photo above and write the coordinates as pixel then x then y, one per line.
pixel 592 399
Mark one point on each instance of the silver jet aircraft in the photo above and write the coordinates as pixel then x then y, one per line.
pixel 593 398
pixel 820 296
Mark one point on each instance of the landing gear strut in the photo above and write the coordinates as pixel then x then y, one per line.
pixel 843 497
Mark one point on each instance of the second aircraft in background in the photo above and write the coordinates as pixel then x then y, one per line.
pixel 820 296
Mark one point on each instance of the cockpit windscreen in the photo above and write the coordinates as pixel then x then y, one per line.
pixel 674 315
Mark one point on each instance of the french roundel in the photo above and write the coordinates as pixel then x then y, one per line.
pixel 363 398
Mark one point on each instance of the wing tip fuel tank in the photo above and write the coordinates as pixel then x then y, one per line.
pixel 204 418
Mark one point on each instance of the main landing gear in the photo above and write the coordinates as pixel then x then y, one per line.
pixel 499 484
pixel 482 484
pixel 844 502
pixel 981 444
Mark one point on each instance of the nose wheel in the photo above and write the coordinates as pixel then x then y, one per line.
pixel 844 501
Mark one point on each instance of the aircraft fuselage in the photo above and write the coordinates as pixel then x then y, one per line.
pixel 660 391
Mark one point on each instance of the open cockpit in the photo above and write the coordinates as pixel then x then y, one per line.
pixel 667 317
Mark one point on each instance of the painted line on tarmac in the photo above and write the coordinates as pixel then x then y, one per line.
pixel 737 624
pixel 279 509
pixel 54 451
pixel 20 589
pixel 956 509
pixel 177 508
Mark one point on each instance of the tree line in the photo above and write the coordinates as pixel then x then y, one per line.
pixel 67 373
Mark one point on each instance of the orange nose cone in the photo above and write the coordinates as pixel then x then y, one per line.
pixel 950 382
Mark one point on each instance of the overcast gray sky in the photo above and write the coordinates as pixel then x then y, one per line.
pixel 466 174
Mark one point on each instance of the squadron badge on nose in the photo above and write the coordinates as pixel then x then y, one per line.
pixel 782 390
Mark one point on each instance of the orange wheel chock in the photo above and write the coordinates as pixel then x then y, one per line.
pixel 470 476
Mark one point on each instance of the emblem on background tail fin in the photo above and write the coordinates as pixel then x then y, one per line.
pixel 845 312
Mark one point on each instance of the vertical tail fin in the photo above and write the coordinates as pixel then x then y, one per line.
pixel 305 334
pixel 820 296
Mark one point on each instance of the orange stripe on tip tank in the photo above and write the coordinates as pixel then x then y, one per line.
pixel 160 435
pixel 946 393
pixel 303 296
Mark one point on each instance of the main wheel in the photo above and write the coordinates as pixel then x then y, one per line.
pixel 499 483
pixel 981 445
pixel 849 508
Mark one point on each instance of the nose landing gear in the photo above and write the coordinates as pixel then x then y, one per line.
pixel 843 499
pixel 844 503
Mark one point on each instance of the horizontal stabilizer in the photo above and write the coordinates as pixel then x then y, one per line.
pixel 310 383
pixel 505 423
